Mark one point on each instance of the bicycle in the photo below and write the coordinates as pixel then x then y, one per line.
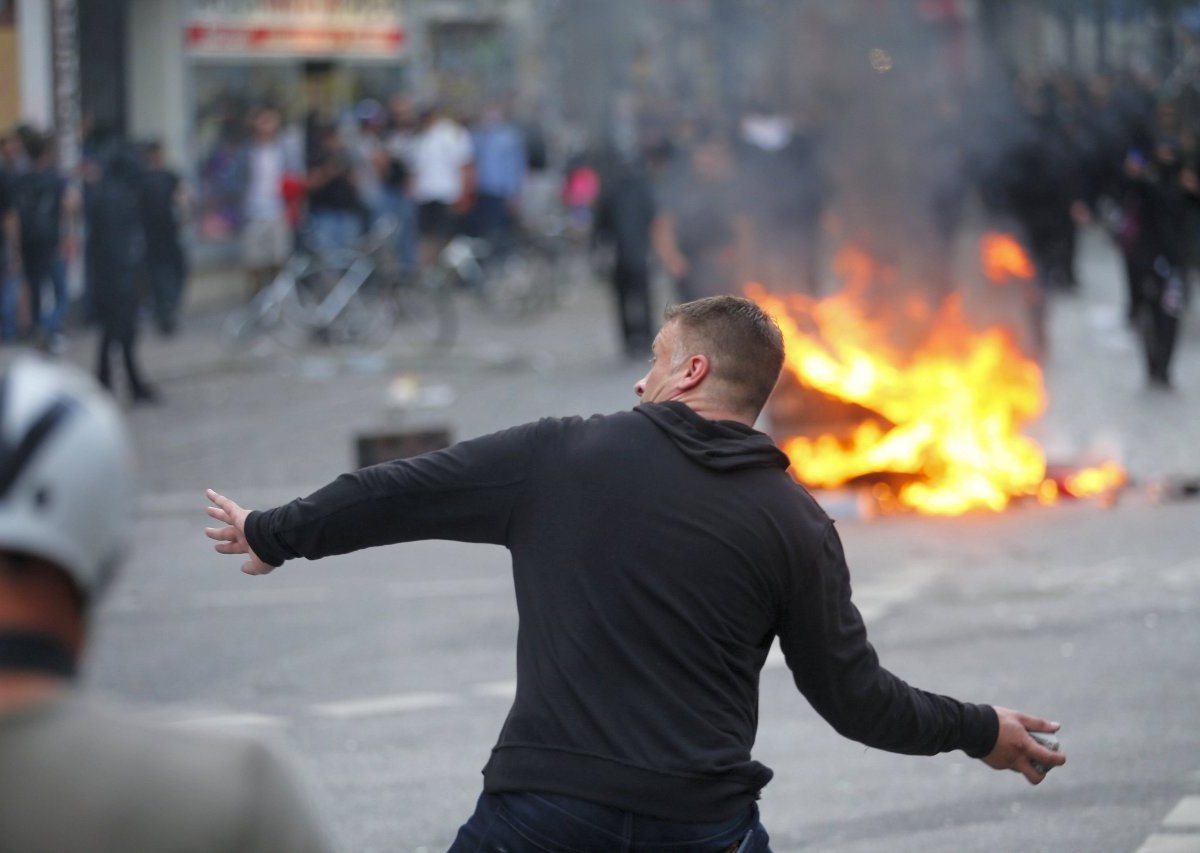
pixel 349 298
pixel 512 283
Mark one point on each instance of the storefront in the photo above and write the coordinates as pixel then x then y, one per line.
pixel 198 68
pixel 310 59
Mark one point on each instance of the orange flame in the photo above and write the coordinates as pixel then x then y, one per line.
pixel 1096 481
pixel 947 417
pixel 1004 259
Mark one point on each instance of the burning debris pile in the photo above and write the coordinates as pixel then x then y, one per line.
pixel 933 424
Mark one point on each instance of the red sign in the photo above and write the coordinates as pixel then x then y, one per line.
pixel 324 38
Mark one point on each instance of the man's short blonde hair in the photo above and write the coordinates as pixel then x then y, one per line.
pixel 743 344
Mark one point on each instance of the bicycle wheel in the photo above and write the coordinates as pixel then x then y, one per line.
pixel 366 322
pixel 240 328
pixel 298 326
pixel 425 310
pixel 514 287
pixel 245 325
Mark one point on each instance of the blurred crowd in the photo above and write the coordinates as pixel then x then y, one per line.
pixel 415 167
pixel 1123 154
pixel 720 203
pixel 711 202
pixel 116 219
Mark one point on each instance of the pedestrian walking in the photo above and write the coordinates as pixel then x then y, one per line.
pixel 39 196
pixel 624 213
pixel 75 773
pixel 1149 236
pixel 163 207
pixel 656 555
pixel 115 250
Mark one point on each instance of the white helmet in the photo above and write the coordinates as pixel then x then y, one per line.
pixel 67 486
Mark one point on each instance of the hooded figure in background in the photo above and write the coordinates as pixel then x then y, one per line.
pixel 116 256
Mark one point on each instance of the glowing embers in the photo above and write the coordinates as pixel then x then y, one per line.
pixel 934 425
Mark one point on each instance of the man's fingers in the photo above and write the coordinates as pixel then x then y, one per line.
pixel 231 548
pixel 1046 757
pixel 219 514
pixel 228 505
pixel 253 567
pixel 1031 773
pixel 223 534
pixel 1037 724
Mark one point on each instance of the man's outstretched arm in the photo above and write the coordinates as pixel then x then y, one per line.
pixel 464 493
pixel 836 668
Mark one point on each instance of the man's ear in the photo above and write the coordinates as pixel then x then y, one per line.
pixel 696 369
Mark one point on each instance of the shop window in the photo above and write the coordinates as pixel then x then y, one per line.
pixel 305 92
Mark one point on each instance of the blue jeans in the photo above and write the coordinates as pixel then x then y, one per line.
pixel 9 286
pixel 334 230
pixel 404 209
pixel 549 823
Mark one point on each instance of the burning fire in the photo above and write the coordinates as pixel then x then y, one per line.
pixel 1003 258
pixel 942 430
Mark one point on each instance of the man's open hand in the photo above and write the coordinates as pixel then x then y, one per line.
pixel 232 538
pixel 1016 750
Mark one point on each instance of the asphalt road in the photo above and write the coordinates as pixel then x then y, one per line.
pixel 389 672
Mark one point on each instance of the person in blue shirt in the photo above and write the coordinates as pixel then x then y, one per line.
pixel 500 164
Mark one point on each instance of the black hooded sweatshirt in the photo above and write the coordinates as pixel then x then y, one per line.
pixel 656 555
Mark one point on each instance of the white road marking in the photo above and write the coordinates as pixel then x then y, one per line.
pixel 1180 829
pixel 495 689
pixel 376 705
pixel 231 721
pixel 1185 815
pixel 263 596
pixel 1171 844
pixel 876 599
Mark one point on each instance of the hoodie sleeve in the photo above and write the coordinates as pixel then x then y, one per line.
pixel 464 493
pixel 825 644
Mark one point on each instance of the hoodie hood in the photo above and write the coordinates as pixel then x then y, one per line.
pixel 719 445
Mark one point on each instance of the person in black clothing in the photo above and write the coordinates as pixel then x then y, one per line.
pixel 1150 240
pixel 624 214
pixel 10 258
pixel 702 233
pixel 657 555
pixel 783 178
pixel 166 265
pixel 115 255
pixel 39 196
pixel 335 211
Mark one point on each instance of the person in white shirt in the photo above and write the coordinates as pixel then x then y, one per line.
pixel 266 237
pixel 442 181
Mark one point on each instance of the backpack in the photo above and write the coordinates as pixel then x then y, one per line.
pixel 39 206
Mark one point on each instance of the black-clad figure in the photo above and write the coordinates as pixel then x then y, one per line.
pixel 624 214
pixel 166 266
pixel 1148 235
pixel 116 256
pixel 786 191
